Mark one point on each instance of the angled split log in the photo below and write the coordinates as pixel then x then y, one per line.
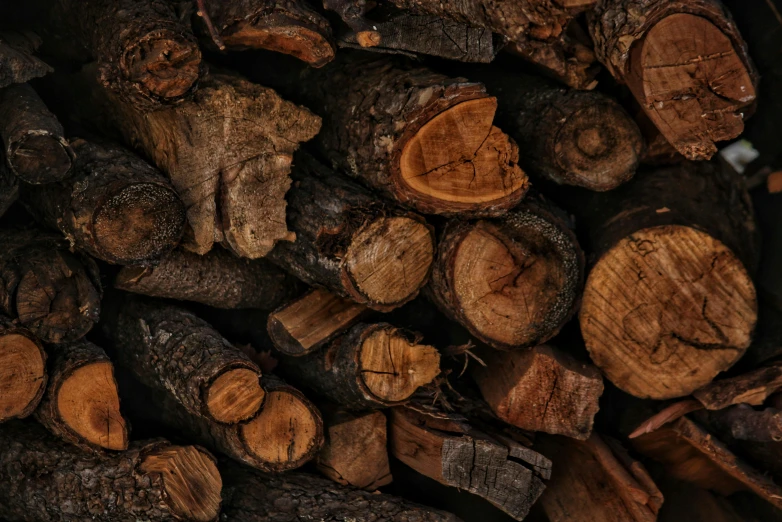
pixel 753 388
pixel 23 374
pixel 17 63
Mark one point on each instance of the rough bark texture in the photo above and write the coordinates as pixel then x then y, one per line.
pixel 17 63
pixel 749 388
pixel 50 291
pixel 115 206
pixel 249 496
pixel 23 374
pixel 217 279
pixel 351 243
pixel 743 423
pixel 35 147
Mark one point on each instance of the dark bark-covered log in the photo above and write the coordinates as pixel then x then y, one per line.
pixel 543 389
pixel 17 63
pixel 249 496
pixel 370 366
pixel 9 186
pixel 351 243
pixel 115 206
pixel 170 349
pixel 685 63
pixel 217 279
pixel 670 302
pixel 50 291
pixel 749 388
pixel 45 479
pixel 744 423
pixel 81 404
pixel 514 281
pixel 22 372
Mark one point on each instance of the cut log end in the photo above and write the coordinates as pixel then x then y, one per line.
pixel 89 405
pixel 234 396
pixel 163 66
pixel 667 309
pixel 389 260
pixel 41 158
pixel 139 223
pixel 190 479
pixel 460 161
pixel 305 44
pixel 22 375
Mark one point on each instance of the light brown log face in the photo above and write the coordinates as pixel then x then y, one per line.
pixel 22 375
pixel 666 309
pixel 234 396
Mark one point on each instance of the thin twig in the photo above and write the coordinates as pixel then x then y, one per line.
pixel 208 21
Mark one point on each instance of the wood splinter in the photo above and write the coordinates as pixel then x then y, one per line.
pixel 23 374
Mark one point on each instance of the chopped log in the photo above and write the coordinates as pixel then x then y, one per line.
pixel 684 501
pixel 17 63
pixel 45 479
pixel 596 480
pixel 115 206
pixel 749 388
pixel 217 279
pixel 50 291
pixel 685 63
pixel 444 447
pixel 249 496
pixel 355 452
pixel 35 147
pixel 309 322
pixel 22 372
pixel 9 186
pixel 350 242
pixel 670 301
pixel 543 389
pixel 353 13
pixel 513 282
pixel 81 404
pixel 745 423
pixel 370 366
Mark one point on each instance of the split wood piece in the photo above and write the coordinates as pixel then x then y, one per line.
pixel 744 423
pixel 351 243
pixel 143 52
pixel 691 453
pixel 22 371
pixel 423 139
pixel 17 63
pixel 670 302
pixel 596 480
pixel 152 480
pixel 570 137
pixel 542 389
pixel 81 404
pixel 750 388
pixel 217 279
pixel 370 366
pixel 309 322
pixel 50 291
pixel 513 282
pixel 684 501
pixel 35 147
pixel 170 349
pixel 226 150
pixel 9 186
pixel 685 63
pixel 356 450
pixel 444 447
pixel 115 206
pixel 249 496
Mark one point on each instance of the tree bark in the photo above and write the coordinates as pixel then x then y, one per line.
pixel 752 388
pixel 23 374
pixel 50 291
pixel 81 404
pixel 370 366
pixel 115 206
pixel 658 319
pixel 514 281
pixel 17 63
pixel 46 479
pixel 657 47
pixel 351 243
pixel 744 423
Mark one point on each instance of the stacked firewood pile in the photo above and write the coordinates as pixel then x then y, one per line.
pixel 476 259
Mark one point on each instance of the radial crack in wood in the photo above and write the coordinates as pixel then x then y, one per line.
pixel 234 396
pixel 22 372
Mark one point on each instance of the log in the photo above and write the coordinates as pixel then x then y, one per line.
pixel 753 388
pixel 22 372
pixel 349 242
pixel 514 281
pixel 9 186
pixel 596 480
pixel 46 479
pixel 217 279
pixel 81 404
pixel 356 451
pixel 249 496
pixel 369 366
pixel 35 147
pixel 543 389
pixel 661 320
pixel 307 323
pixel 50 291
pixel 685 63
pixel 115 206
pixel 17 63
pixel 683 501
pixel 744 423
